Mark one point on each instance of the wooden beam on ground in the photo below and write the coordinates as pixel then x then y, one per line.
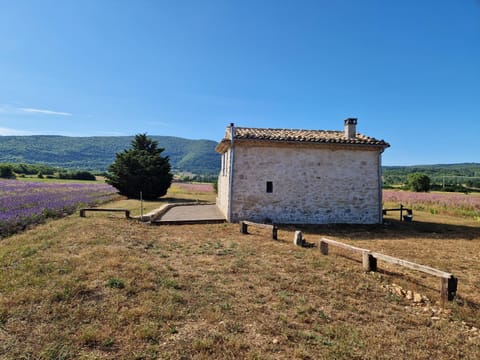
pixel 342 245
pixel 127 212
pixel 244 224
pixel 448 282
pixel 412 265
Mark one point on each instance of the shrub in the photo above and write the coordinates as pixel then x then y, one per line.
pixel 6 172
pixel 32 169
pixel 418 182
pixel 78 175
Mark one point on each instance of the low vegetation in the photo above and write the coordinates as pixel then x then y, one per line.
pixel 461 205
pixel 103 287
pixel 76 175
pixel 13 170
pixel 31 169
pixel 23 204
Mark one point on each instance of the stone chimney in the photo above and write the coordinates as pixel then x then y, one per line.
pixel 350 128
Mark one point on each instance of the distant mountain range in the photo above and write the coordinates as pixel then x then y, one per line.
pixel 192 156
pixel 97 153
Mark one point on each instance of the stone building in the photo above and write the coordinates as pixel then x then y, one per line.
pixel 300 176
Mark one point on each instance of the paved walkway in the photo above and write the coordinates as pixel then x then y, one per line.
pixel 191 214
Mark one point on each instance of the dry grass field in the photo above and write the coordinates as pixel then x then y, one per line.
pixel 103 287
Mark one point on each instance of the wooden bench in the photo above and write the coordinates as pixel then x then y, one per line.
pixel 127 212
pixel 245 224
pixel 402 208
pixel 448 282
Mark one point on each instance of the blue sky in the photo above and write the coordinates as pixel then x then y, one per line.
pixel 408 70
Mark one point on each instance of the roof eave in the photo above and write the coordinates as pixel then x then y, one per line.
pixel 224 145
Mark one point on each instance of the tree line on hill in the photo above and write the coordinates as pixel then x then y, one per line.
pixel 448 177
pixel 11 171
pixel 97 153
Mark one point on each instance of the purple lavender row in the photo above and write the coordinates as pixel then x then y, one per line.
pixel 25 203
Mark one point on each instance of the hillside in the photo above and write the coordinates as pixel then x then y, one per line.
pixel 96 153
pixel 195 156
pixel 466 173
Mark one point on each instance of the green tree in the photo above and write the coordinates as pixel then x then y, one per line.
pixel 142 168
pixel 77 175
pixel 6 172
pixel 418 182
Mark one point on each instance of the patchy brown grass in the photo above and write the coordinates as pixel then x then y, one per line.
pixel 103 287
pixel 178 193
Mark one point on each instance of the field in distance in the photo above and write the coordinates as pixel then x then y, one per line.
pixel 103 287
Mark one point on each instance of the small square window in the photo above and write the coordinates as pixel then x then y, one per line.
pixel 269 187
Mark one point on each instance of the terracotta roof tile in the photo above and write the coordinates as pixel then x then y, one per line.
pixel 304 136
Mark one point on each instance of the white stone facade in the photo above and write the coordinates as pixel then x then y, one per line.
pixel 309 183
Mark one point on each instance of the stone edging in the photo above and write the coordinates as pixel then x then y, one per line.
pixel 158 213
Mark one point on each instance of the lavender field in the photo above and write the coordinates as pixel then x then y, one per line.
pixel 25 203
pixel 445 203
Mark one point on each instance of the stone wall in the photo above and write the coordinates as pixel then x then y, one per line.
pixel 310 185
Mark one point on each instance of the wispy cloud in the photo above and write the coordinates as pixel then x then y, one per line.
pixel 17 110
pixel 46 112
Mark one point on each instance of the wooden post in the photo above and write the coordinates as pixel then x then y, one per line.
pixel 82 212
pixel 452 288
pixel 448 289
pixel 369 261
pixel 274 232
pixel 365 261
pixel 443 291
pixel 297 238
pixel 243 227
pixel 401 212
pixel 323 246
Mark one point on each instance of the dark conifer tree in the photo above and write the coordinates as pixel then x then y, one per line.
pixel 142 168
